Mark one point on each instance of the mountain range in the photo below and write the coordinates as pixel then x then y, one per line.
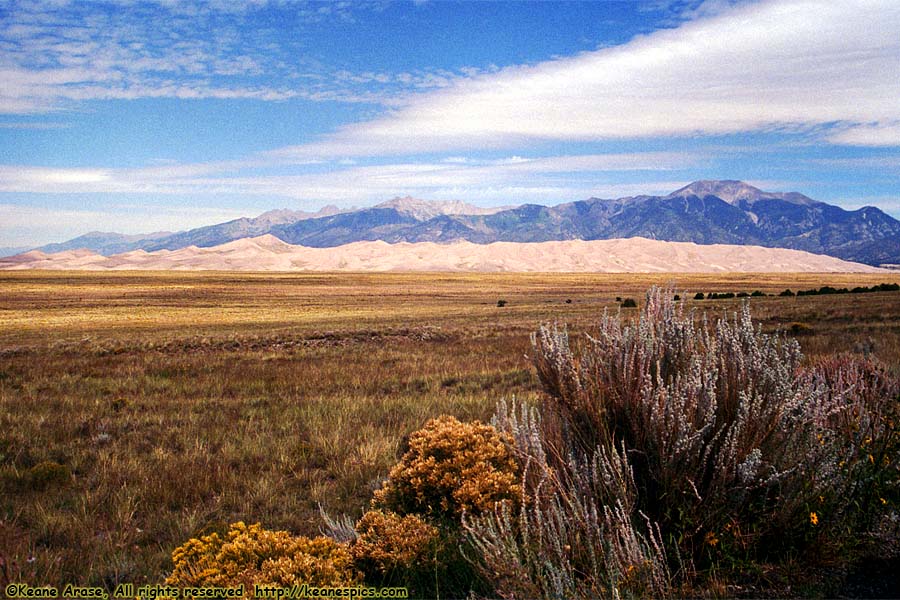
pixel 704 212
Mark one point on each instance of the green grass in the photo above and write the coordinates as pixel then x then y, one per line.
pixel 176 403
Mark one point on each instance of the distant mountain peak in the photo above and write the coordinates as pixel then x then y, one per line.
pixel 285 215
pixel 733 191
pixel 428 209
pixel 729 190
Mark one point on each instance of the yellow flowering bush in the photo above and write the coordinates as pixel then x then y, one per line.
pixel 391 547
pixel 451 467
pixel 249 554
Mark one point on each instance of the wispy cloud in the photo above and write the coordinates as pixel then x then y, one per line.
pixel 790 65
pixel 549 178
pixel 54 55
pixel 881 163
pixel 874 134
pixel 36 125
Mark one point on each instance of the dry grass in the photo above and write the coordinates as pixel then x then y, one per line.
pixel 181 402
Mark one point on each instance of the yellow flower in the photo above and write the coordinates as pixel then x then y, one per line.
pixel 813 518
pixel 711 539
pixel 883 501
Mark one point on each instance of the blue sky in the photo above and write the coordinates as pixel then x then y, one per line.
pixel 146 116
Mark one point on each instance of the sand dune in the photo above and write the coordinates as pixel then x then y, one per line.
pixel 633 255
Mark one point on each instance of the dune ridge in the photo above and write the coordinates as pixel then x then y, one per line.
pixel 631 255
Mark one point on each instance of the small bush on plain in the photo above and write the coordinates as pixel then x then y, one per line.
pixel 451 468
pixel 395 550
pixel 249 554
pixel 45 475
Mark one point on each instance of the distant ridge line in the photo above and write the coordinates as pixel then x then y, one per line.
pixel 704 212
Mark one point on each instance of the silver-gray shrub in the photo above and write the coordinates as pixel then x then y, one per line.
pixel 656 439
pixel 714 418
pixel 573 533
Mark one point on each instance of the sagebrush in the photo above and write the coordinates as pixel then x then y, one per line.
pixel 674 446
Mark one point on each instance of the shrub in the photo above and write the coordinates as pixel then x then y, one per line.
pixel 714 420
pixel 251 554
pixel 629 303
pixel 45 475
pixel 799 328
pixel 395 550
pixel 451 467
pixel 501 303
pixel 699 296
pixel 867 434
pixel 786 293
pixel 674 439
pixel 574 536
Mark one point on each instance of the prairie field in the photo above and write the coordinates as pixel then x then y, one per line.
pixel 138 410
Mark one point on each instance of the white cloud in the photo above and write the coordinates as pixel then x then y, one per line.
pixel 344 181
pixel 54 56
pixel 782 65
pixel 881 163
pixel 878 134
pixel 13 215
pixel 33 179
pixel 34 125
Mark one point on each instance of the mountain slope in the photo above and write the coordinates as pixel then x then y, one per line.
pixel 237 229
pixel 106 243
pixel 114 243
pixel 13 250
pixel 360 225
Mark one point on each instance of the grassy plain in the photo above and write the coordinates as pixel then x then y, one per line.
pixel 176 403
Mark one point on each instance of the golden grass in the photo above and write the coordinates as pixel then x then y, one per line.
pixel 181 402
